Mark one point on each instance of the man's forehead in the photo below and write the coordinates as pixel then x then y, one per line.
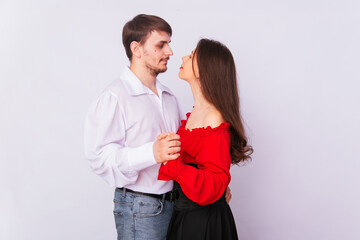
pixel 160 36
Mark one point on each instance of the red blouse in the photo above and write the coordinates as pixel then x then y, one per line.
pixel 209 149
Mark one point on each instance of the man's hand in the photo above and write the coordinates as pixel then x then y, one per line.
pixel 166 147
pixel 228 195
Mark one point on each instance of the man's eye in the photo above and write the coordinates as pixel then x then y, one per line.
pixel 161 46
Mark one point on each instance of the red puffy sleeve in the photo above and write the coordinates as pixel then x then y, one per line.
pixel 206 184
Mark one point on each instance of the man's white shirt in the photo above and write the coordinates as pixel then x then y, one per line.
pixel 120 129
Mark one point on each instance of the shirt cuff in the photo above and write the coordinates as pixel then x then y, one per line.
pixel 141 157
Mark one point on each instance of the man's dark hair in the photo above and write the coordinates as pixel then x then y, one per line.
pixel 139 28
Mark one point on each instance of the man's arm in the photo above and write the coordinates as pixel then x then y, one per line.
pixel 105 147
pixel 228 195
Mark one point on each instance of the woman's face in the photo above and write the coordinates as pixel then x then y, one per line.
pixel 187 72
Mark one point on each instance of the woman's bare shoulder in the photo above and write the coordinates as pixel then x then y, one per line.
pixel 213 118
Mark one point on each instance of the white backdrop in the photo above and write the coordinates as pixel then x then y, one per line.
pixel 298 66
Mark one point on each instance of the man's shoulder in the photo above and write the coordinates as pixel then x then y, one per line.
pixel 116 88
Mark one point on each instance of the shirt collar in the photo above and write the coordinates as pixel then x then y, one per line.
pixel 135 87
pixel 162 88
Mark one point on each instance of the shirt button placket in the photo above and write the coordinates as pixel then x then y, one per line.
pixel 162 110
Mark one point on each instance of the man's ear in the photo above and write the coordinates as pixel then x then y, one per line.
pixel 135 49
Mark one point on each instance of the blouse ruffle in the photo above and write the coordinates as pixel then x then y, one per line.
pixel 209 149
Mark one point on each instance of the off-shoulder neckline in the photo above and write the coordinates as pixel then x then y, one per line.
pixel 223 125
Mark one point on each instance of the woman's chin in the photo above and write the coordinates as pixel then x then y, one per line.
pixel 180 76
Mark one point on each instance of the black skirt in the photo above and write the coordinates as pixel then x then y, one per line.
pixel 192 221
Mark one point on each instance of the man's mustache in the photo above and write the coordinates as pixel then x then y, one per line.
pixel 167 59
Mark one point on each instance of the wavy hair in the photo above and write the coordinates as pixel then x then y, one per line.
pixel 218 82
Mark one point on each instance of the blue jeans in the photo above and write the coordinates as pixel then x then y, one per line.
pixel 141 217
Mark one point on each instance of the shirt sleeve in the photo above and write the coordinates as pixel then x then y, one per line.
pixel 208 183
pixel 104 144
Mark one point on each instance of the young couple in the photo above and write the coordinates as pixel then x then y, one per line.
pixel 167 185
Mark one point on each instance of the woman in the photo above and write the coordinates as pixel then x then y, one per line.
pixel 212 138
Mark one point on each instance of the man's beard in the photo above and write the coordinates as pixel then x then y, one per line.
pixel 156 70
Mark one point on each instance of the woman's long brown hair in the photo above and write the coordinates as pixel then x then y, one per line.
pixel 218 81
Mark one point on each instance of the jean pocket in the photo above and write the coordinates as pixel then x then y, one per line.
pixel 148 207
pixel 121 206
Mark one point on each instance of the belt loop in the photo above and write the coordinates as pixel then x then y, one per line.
pixel 163 198
pixel 124 192
pixel 172 196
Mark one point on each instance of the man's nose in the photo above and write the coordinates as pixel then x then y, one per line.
pixel 169 51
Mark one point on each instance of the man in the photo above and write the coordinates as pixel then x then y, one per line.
pixel 121 129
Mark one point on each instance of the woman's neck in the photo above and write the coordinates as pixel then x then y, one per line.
pixel 200 102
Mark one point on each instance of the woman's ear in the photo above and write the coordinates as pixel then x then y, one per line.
pixel 196 68
pixel 135 49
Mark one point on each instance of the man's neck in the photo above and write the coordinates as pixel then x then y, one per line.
pixel 146 78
